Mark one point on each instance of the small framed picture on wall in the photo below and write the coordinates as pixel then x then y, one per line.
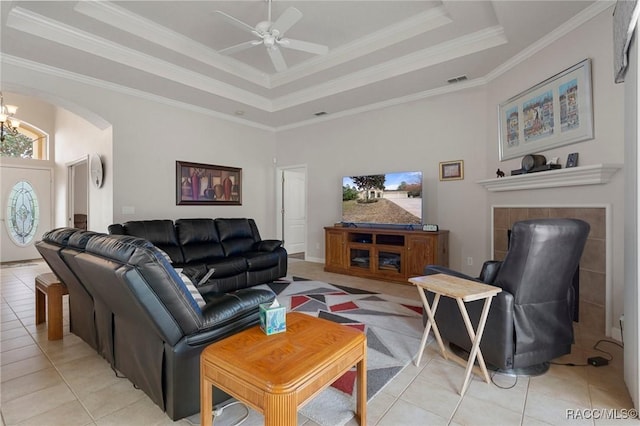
pixel 452 170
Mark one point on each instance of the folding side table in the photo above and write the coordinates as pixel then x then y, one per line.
pixel 462 290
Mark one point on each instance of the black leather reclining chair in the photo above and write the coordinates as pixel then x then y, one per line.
pixel 531 321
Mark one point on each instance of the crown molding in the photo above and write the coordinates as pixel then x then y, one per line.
pixel 387 103
pixel 387 36
pixel 465 45
pixel 40 26
pixel 124 20
pixel 598 7
pixel 102 84
pixel 572 24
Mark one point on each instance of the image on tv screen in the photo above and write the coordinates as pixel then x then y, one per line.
pixel 390 198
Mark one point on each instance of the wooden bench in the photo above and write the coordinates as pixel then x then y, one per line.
pixel 49 287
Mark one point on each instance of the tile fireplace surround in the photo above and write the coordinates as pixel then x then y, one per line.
pixel 593 270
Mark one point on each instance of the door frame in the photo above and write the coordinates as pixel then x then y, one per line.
pixel 71 174
pixel 280 202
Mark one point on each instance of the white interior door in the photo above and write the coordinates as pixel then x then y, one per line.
pixel 78 192
pixel 294 212
pixel 32 210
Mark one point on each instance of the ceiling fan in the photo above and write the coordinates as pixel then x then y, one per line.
pixel 271 35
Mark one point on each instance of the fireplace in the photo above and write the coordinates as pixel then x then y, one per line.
pixel 592 295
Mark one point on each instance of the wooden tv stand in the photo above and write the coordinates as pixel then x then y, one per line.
pixel 384 254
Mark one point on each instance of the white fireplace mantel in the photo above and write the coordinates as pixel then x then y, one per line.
pixel 597 174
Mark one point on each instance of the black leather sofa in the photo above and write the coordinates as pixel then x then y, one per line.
pixel 127 301
pixel 231 247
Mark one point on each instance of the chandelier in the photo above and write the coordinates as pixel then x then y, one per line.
pixel 8 124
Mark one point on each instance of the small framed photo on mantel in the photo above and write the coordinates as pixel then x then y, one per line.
pixel 572 160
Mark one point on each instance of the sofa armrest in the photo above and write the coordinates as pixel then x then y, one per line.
pixel 489 271
pixel 267 245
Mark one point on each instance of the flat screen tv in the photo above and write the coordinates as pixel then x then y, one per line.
pixel 382 199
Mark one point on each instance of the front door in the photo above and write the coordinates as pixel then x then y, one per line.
pixel 26 210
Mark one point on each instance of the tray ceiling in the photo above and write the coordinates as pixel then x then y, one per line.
pixel 380 52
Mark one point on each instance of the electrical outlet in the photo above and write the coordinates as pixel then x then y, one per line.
pixel 470 261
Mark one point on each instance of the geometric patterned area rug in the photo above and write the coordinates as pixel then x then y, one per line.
pixel 393 327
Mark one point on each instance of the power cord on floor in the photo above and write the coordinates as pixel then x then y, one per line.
pixel 118 375
pixel 503 387
pixel 568 364
pixel 217 412
pixel 609 357
pixel 603 351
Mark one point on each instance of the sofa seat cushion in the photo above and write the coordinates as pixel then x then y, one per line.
pixel 228 266
pixel 258 260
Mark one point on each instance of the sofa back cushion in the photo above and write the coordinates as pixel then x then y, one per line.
pixel 81 305
pixel 199 240
pixel 161 233
pixel 136 281
pixel 236 235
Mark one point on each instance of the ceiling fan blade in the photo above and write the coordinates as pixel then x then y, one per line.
pixel 239 47
pixel 238 23
pixel 276 57
pixel 304 46
pixel 288 18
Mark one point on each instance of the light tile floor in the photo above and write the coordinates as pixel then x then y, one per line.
pixel 65 382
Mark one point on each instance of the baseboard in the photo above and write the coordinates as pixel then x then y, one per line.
pixel 616 333
pixel 314 259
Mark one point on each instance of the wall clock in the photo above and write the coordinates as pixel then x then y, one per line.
pixel 96 171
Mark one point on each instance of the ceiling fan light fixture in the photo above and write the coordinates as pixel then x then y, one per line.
pixel 269 40
pixel 262 27
pixel 271 35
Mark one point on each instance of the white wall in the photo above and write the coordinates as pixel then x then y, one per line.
pixel 148 137
pixel 76 138
pixel 408 137
pixel 591 40
pixel 146 150
pixel 463 125
pixel 631 296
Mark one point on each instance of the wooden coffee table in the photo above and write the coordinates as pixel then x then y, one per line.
pixel 278 374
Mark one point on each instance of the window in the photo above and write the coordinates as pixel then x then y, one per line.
pixel 23 213
pixel 28 142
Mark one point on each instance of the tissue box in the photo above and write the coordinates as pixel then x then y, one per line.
pixel 273 319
